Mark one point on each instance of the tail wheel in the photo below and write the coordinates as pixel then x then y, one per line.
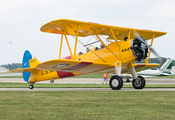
pixel 139 83
pixel 116 82
pixel 30 86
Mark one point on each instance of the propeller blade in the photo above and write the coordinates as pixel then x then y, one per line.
pixel 136 34
pixel 148 46
pixel 155 53
pixel 140 38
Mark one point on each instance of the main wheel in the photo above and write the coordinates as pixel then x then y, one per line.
pixel 139 83
pixel 31 86
pixel 116 82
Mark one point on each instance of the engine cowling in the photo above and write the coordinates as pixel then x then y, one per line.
pixel 139 49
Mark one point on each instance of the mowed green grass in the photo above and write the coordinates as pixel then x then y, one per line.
pixel 87 105
pixel 11 77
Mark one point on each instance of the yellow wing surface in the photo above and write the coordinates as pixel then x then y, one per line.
pixel 81 66
pixel 144 66
pixel 86 67
pixel 89 28
pixel 73 66
pixel 141 66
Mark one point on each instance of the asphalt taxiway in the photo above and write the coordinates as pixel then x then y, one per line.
pixel 84 89
pixel 89 81
pixel 86 81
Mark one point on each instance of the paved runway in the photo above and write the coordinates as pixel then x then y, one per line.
pixel 84 89
pixel 87 81
pixel 10 74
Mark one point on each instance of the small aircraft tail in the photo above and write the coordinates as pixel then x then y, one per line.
pixel 28 62
pixel 167 65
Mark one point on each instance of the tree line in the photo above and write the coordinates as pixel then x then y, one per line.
pixel 151 60
pixel 12 66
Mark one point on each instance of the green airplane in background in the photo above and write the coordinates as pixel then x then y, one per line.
pixel 164 70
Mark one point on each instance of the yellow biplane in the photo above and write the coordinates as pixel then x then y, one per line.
pixel 118 55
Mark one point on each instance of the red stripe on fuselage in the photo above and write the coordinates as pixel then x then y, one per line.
pixel 78 66
pixel 62 74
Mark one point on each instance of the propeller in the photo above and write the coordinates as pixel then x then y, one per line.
pixel 144 42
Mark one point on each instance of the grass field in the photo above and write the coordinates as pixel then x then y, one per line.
pixel 11 77
pixel 87 105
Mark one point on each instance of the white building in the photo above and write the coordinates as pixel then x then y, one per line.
pixel 173 69
pixel 2 69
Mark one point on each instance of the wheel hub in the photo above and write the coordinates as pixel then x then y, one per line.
pixel 137 82
pixel 115 83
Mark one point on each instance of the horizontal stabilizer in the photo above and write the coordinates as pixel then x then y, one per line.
pixel 23 70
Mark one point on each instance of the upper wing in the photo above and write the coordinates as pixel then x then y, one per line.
pixel 72 66
pixel 89 28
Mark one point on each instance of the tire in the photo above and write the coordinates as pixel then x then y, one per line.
pixel 30 86
pixel 139 83
pixel 116 82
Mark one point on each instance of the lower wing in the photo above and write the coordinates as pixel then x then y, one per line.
pixel 73 66
pixel 144 66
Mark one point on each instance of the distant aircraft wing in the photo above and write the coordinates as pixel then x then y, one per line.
pixel 73 66
pixel 23 70
pixel 89 28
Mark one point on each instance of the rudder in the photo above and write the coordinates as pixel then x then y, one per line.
pixel 25 64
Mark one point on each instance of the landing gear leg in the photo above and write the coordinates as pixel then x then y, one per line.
pixel 138 81
pixel 116 82
pixel 30 86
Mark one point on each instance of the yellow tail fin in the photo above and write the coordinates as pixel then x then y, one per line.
pixel 34 62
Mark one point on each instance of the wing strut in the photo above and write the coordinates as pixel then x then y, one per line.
pixel 68 44
pixel 90 50
pixel 61 45
pixel 114 36
pixel 75 47
pixel 106 46
pixel 150 50
pixel 129 34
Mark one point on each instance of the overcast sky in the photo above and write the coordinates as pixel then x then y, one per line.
pixel 20 22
